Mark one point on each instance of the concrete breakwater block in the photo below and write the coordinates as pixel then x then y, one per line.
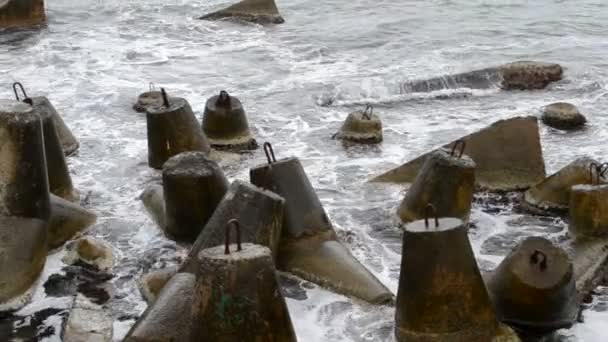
pixel 21 13
pixel 67 219
pixel 507 155
pixel 363 127
pixel 564 116
pixel 257 11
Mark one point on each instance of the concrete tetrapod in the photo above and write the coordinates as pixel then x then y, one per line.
pixel 21 13
pixel 23 252
pixel 589 208
pixel 238 297
pixel 173 129
pixel 24 188
pixel 442 296
pixel 259 214
pixel 309 247
pixel 67 219
pixel 507 155
pixel 169 317
pixel 225 124
pixel 533 289
pixel 257 11
pixel 447 181
pixel 362 127
pixel 553 193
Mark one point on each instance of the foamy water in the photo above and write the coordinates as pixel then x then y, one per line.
pixel 297 82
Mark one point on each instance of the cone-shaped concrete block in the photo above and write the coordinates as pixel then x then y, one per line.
pixel 553 193
pixel 151 284
pixel 60 182
pixel 148 100
pixel 533 289
pixel 68 142
pixel 589 211
pixel 173 129
pixel 362 127
pixel 528 75
pixel 67 219
pixel 507 155
pixel 238 298
pixel 22 256
pixel 309 246
pixel 563 115
pixel 257 11
pixel 21 13
pixel 153 198
pixel 225 124
pixel 24 188
pixel 441 296
pixel 168 319
pixel 447 181
pixel 259 214
pixel 193 186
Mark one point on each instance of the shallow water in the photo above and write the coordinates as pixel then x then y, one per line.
pixel 96 56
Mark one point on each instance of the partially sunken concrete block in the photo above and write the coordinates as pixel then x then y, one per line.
pixel 564 116
pixel 67 219
pixel 507 155
pixel 21 13
pixel 257 11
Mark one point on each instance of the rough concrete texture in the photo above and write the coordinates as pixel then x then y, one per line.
pixel 152 283
pixel 257 11
pixel 440 256
pixel 362 127
pixel 534 289
pixel 445 181
pixel 169 317
pixel 260 216
pixel 69 144
pixel 21 13
pixel 507 154
pixel 529 75
pixel 590 264
pixel 553 193
pixel 23 252
pixel 225 124
pixel 193 186
pixel 238 298
pixel 153 198
pixel 589 211
pixel 173 130
pixel 67 220
pixel 24 189
pixel 88 322
pixel 563 116
pixel 91 251
pixel 147 100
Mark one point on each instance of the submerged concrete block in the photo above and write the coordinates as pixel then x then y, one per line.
pixel 257 11
pixel 362 127
pixel 21 13
pixel 507 154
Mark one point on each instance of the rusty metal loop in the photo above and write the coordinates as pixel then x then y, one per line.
pixel 457 143
pixel 269 153
pixel 541 263
pixel 165 97
pixel 152 86
pixel 223 99
pixel 430 209
pixel 602 169
pixel 26 99
pixel 232 223
pixel 594 166
pixel 368 112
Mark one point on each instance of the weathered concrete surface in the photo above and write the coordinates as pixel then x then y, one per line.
pixel 521 75
pixel 173 129
pixel 362 127
pixel 67 219
pixel 562 115
pixel 589 211
pixel 91 251
pixel 590 264
pixel 445 181
pixel 193 186
pixel 152 283
pixel 238 298
pixel 21 13
pixel 225 124
pixel 507 154
pixel 69 144
pixel 154 202
pixel 24 188
pixel 441 296
pixel 169 317
pixel 23 252
pixel 260 216
pixel 553 193
pixel 533 288
pixel 88 322
pixel 257 11
pixel 309 246
pixel 147 100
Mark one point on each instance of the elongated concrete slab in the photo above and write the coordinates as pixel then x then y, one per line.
pixel 257 11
